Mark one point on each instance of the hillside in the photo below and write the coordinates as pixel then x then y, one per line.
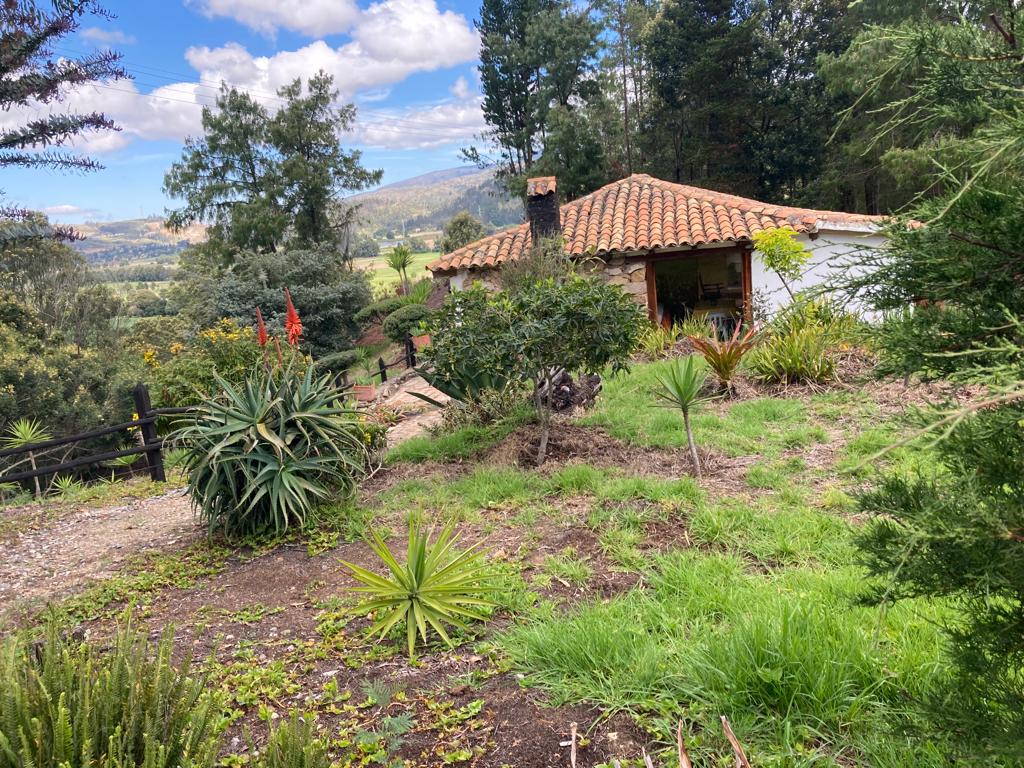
pixel 426 202
pixel 134 240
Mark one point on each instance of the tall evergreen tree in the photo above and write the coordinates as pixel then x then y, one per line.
pixel 950 285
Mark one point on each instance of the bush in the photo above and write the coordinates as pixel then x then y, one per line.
pixel 803 343
pixel 489 406
pixel 724 357
pixel 70 706
pixel 405 321
pixel 190 372
pixel 259 457
pixel 378 310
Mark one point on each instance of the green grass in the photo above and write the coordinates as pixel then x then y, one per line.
pixel 806 677
pixel 767 426
pixel 464 443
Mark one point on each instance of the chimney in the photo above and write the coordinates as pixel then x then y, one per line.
pixel 542 208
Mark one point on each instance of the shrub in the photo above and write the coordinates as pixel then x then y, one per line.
pixel 294 743
pixel 260 456
pixel 804 355
pixel 70 706
pixel 190 373
pixel 405 321
pixel 437 585
pixel 489 406
pixel 378 310
pixel 341 361
pixel 420 291
pixel 656 340
pixel 724 357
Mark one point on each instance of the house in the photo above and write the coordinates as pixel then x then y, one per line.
pixel 678 250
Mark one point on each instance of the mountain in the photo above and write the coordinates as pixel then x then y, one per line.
pixel 134 240
pixel 426 202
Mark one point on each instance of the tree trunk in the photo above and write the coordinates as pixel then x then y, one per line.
pixel 692 445
pixel 32 463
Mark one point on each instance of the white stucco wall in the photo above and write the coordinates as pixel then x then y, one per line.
pixel 831 252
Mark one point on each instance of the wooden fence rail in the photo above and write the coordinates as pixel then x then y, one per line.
pixel 151 445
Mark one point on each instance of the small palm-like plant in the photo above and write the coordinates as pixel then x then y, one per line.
pixel 437 585
pixel 26 432
pixel 724 357
pixel 260 457
pixel 400 259
pixel 681 388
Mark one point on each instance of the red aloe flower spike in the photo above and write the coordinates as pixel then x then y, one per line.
pixel 292 323
pixel 261 329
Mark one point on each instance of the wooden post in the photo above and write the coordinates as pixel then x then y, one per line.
pixel 748 286
pixel 652 292
pixel 410 352
pixel 383 369
pixel 154 459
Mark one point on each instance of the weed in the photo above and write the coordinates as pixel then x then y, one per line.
pixel 568 567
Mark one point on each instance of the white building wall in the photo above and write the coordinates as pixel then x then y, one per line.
pixel 831 253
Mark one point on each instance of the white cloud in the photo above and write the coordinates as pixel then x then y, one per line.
pixel 68 210
pixel 309 17
pixel 106 36
pixel 450 122
pixel 391 40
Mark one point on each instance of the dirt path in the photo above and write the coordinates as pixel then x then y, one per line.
pixel 60 555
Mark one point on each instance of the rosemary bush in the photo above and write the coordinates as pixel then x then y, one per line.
pixel 74 707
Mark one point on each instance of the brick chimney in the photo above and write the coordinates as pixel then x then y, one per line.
pixel 542 207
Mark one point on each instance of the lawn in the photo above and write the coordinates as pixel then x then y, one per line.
pixel 383 278
pixel 629 596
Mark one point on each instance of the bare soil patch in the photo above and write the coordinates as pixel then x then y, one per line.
pixel 56 556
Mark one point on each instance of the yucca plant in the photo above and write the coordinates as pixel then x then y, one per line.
pixel 26 432
pixel 682 388
pixel 400 259
pixel 724 357
pixel 260 457
pixel 66 486
pixel 797 355
pixel 437 585
pixel 74 706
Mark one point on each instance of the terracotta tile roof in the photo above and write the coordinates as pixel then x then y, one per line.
pixel 541 185
pixel 642 213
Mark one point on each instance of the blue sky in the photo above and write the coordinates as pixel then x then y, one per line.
pixel 409 65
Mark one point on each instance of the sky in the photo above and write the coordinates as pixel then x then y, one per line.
pixel 408 65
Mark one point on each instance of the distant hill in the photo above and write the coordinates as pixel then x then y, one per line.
pixel 426 202
pixel 134 240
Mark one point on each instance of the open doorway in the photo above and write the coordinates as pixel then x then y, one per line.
pixel 713 283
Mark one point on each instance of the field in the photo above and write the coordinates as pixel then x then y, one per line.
pixel 630 597
pixel 383 278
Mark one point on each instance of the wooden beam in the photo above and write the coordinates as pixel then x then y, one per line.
pixel 652 292
pixel 748 286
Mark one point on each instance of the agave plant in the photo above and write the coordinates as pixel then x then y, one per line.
pixel 437 585
pixel 260 457
pixel 724 357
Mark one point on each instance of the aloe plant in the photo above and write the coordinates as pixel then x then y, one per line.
pixel 261 456
pixel 437 585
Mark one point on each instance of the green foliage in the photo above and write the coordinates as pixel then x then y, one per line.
pixel 798 356
pixel 378 310
pixel 545 260
pixel 681 388
pixel 25 432
pixel 782 253
pixel 262 455
pixel 724 357
pixel 487 406
pixel 260 180
pixel 400 259
pixel 437 585
pixel 75 706
pixel 657 341
pixel 184 374
pixel 405 321
pixel 420 291
pixel 462 229
pixel 294 743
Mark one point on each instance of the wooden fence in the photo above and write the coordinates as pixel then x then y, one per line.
pixel 151 445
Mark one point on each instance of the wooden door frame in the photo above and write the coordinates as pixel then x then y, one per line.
pixel 746 277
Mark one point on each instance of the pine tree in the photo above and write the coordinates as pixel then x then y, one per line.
pixel 950 285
